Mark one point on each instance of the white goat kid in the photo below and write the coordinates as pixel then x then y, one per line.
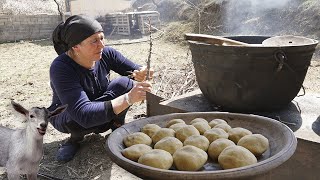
pixel 22 149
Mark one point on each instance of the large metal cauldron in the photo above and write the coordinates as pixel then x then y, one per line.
pixel 251 78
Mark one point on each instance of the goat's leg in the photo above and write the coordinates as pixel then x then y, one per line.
pixel 32 176
pixel 12 176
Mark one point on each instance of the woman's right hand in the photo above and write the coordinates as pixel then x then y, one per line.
pixel 139 92
pixel 136 94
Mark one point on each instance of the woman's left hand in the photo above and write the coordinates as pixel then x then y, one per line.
pixel 141 75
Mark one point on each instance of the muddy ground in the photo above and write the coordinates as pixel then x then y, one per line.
pixel 24 77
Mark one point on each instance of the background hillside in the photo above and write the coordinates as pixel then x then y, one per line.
pixel 234 17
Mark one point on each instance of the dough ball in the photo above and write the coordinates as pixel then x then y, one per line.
pixel 157 158
pixel 185 132
pixel 217 146
pixel 255 143
pixel 174 121
pixel 236 156
pixel 135 151
pixel 215 122
pixel 215 133
pixel 137 138
pixel 177 126
pixel 223 126
pixel 198 120
pixel 189 158
pixel 162 133
pixel 150 129
pixel 197 141
pixel 201 126
pixel 235 134
pixel 169 144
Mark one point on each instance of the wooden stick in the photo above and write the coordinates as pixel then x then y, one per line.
pixel 149 56
pixel 150 51
pixel 214 40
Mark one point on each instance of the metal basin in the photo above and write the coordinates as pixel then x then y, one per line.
pixel 251 78
pixel 282 146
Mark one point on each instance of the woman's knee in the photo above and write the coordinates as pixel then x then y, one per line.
pixel 121 85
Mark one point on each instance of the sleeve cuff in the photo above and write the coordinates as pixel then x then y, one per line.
pixel 109 111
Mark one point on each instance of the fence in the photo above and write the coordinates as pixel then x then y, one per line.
pixel 126 23
pixel 120 23
pixel 27 27
pixel 143 21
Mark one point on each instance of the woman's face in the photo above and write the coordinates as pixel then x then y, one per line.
pixel 91 48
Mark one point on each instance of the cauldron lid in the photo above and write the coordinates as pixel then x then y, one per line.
pixel 288 41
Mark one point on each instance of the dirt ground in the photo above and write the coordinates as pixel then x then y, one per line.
pixel 24 68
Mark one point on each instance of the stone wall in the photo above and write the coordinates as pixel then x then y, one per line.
pixel 27 27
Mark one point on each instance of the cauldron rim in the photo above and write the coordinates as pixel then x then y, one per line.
pixel 313 42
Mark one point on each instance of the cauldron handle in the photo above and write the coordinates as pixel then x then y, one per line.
pixel 281 58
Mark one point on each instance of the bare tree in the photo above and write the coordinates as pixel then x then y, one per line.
pixel 154 2
pixel 60 11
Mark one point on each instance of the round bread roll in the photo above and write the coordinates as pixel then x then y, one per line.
pixel 150 129
pixel 185 132
pixel 235 134
pixel 236 156
pixel 198 120
pixel 225 127
pixel 215 133
pixel 201 126
pixel 137 138
pixel 215 122
pixel 177 126
pixel 162 133
pixel 197 141
pixel 217 146
pixel 255 143
pixel 169 144
pixel 135 151
pixel 157 158
pixel 189 158
pixel 174 121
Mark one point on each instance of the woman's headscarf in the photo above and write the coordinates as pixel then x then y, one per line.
pixel 72 32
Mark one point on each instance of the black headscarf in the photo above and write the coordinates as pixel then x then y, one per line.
pixel 72 32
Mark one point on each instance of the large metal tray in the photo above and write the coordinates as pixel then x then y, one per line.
pixel 282 146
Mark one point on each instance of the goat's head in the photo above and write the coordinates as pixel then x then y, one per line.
pixel 38 117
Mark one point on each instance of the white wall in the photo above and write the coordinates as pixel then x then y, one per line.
pixel 97 7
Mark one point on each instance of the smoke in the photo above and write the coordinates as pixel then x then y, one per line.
pixel 254 17
pixel 260 5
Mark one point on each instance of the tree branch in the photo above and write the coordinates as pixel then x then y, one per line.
pixel 59 10
pixel 154 2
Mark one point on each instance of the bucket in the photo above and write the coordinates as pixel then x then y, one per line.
pixel 251 78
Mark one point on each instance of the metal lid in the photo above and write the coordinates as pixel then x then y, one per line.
pixel 288 41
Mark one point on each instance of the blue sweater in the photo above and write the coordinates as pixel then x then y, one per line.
pixel 81 88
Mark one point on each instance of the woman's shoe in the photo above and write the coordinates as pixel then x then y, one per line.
pixel 67 151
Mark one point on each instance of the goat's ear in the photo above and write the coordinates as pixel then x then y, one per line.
pixel 58 110
pixel 19 108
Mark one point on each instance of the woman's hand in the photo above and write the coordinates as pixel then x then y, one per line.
pixel 138 92
pixel 141 75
